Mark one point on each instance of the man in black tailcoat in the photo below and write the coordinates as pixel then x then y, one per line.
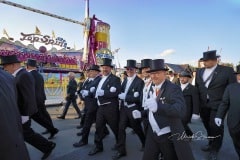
pixel 42 116
pixel 26 103
pixel 87 93
pixel 211 82
pixel 191 97
pixel 231 104
pixel 165 107
pixel 11 135
pixel 130 97
pixel 108 105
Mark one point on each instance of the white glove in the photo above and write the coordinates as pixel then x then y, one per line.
pixel 218 121
pixel 113 89
pixel 122 96
pixel 85 93
pixel 136 94
pixel 195 116
pixel 24 119
pixel 76 93
pixel 136 114
pixel 92 89
pixel 100 92
pixel 151 103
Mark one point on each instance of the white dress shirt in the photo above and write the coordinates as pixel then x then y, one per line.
pixel 153 122
pixel 103 79
pixel 207 73
pixel 129 82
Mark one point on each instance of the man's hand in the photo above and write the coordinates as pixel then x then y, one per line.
pixel 122 96
pixel 151 103
pixel 100 92
pixel 218 121
pixel 136 114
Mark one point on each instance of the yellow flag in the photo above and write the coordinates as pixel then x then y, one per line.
pixel 5 33
pixel 53 35
pixel 37 30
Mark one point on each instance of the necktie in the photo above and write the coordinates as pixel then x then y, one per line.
pixel 157 91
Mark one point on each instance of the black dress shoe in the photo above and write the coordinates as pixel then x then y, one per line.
pixel 45 132
pixel 61 117
pixel 95 151
pixel 206 148
pixel 80 144
pixel 118 155
pixel 52 134
pixel 79 127
pixel 46 154
pixel 79 133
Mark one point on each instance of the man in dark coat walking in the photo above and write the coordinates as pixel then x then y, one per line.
pixel 87 93
pixel 191 97
pixel 42 116
pixel 26 103
pixel 231 104
pixel 165 107
pixel 132 88
pixel 108 105
pixel 71 96
pixel 11 135
pixel 211 82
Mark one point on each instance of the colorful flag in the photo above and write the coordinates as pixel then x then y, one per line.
pixel 37 30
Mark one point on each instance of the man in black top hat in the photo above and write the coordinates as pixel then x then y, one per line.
pixel 42 117
pixel 165 106
pixel 27 103
pixel 211 82
pixel 191 97
pixel 11 135
pixel 129 100
pixel 231 104
pixel 87 94
pixel 108 105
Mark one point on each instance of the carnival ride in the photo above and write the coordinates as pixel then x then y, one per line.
pixel 96 46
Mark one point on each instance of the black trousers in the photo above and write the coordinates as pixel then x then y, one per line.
pixel 34 138
pixel 126 119
pixel 208 115
pixel 74 103
pixel 89 119
pixel 158 144
pixel 43 118
pixel 235 134
pixel 106 114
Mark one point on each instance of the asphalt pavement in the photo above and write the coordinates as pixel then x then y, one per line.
pixel 67 136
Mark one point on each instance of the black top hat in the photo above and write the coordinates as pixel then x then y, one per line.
pixel 185 74
pixel 209 55
pixel 146 63
pixel 9 59
pixel 106 62
pixel 32 62
pixel 131 64
pixel 237 69
pixel 94 67
pixel 157 65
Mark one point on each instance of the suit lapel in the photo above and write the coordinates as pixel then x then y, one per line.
pixel 106 81
pixel 215 73
pixel 132 84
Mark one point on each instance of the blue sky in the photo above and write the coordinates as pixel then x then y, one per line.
pixel 178 31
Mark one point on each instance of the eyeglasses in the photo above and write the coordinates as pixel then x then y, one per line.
pixel 129 69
